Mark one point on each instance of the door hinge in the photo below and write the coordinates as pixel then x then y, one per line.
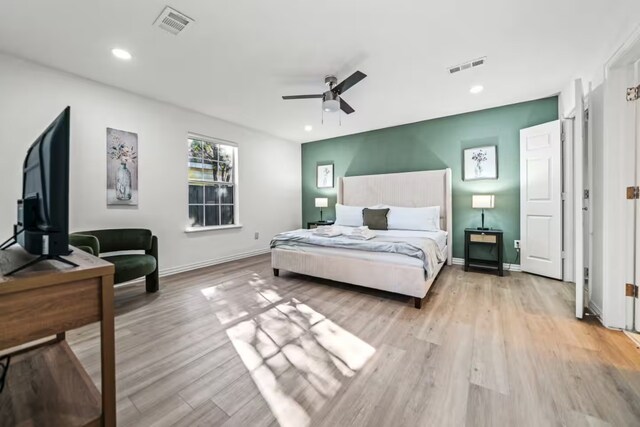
pixel 563 255
pixel 633 93
pixel 586 273
pixel 633 193
pixel 631 290
pixel 563 196
pixel 586 194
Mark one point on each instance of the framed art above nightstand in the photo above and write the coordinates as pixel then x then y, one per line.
pixel 324 175
pixel 480 163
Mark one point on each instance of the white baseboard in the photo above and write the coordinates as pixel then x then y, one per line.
pixel 208 263
pixel 202 264
pixel 211 262
pixel 634 336
pixel 508 267
pixel 595 310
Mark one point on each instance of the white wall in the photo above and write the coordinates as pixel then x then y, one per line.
pixel 593 73
pixel 31 96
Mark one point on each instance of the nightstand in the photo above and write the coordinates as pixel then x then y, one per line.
pixel 473 236
pixel 316 224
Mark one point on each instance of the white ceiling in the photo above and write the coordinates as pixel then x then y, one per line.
pixel 241 56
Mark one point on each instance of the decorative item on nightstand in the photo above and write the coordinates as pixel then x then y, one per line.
pixel 322 202
pixel 483 201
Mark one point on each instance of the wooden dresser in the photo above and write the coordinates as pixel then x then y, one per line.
pixel 46 384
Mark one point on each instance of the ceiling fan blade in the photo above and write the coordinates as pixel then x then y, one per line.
pixel 349 82
pixel 303 96
pixel 346 107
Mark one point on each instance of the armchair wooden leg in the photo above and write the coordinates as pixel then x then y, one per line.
pixel 276 272
pixel 153 279
pixel 152 282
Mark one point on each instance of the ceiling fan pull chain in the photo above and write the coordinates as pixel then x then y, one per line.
pixel 322 118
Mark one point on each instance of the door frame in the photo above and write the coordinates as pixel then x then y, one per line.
pixel 589 186
pixel 578 180
pixel 573 198
pixel 568 218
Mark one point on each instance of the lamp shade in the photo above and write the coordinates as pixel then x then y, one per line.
pixel 483 201
pixel 322 202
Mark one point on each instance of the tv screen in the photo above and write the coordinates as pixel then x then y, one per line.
pixel 44 211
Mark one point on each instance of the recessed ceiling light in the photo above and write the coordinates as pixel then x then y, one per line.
pixel 308 128
pixel 476 89
pixel 121 54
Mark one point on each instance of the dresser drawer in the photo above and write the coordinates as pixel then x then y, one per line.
pixel 483 238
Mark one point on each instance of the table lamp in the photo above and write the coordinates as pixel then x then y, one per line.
pixel 482 201
pixel 321 202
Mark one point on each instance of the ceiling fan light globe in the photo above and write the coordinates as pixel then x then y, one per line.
pixel 331 105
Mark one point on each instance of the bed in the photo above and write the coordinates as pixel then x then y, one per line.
pixel 392 272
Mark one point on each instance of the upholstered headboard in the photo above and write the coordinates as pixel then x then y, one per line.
pixel 409 189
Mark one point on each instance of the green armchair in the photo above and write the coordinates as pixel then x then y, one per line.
pixel 128 266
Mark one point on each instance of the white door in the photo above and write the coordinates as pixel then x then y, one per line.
pixel 637 223
pixel 579 153
pixel 630 120
pixel 636 106
pixel 541 200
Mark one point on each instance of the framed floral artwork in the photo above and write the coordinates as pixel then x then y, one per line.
pixel 324 176
pixel 122 167
pixel 481 163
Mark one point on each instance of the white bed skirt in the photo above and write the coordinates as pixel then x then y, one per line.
pixel 400 279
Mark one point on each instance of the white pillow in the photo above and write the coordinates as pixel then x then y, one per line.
pixel 349 216
pixel 421 219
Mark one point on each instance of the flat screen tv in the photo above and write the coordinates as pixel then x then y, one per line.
pixel 43 211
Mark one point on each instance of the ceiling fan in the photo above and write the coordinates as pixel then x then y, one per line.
pixel 331 100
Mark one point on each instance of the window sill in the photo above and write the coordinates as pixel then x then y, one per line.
pixel 211 228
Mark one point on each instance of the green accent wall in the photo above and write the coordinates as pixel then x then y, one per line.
pixel 437 144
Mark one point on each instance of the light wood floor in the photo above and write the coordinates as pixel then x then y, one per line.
pixel 233 345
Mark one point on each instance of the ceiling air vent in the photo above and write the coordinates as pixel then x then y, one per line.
pixel 467 65
pixel 173 21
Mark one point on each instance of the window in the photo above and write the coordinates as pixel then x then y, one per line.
pixel 212 183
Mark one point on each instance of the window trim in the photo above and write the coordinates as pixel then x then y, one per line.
pixel 211 228
pixel 236 183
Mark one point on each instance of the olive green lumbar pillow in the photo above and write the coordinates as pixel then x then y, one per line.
pixel 375 219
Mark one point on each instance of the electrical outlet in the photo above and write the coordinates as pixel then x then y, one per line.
pixel 516 244
pixel 256 236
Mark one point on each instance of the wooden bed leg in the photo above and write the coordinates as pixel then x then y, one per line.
pixel 417 302
pixel 276 272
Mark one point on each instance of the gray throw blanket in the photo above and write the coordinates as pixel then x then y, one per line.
pixel 424 249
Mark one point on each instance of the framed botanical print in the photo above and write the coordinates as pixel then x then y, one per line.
pixel 324 176
pixel 122 167
pixel 481 163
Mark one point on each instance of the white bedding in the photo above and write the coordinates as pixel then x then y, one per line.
pixel 440 237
